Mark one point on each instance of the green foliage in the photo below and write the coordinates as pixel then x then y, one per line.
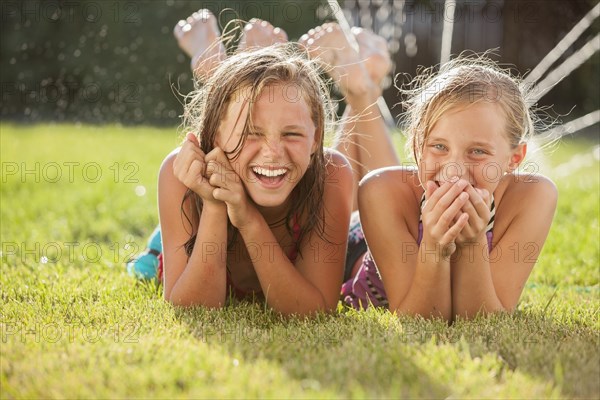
pixel 76 326
pixel 112 61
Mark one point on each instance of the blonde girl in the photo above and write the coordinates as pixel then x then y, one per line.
pixel 461 233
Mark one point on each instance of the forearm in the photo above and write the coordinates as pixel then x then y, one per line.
pixel 203 281
pixel 284 288
pixel 473 289
pixel 430 292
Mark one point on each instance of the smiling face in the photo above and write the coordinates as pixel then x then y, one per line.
pixel 277 150
pixel 470 142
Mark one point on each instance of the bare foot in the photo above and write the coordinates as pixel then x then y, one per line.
pixel 259 33
pixel 328 44
pixel 354 72
pixel 198 37
pixel 373 50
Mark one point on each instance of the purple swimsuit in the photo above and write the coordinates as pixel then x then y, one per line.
pixel 366 288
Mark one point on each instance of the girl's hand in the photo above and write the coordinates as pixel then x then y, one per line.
pixel 442 217
pixel 190 166
pixel 478 210
pixel 228 188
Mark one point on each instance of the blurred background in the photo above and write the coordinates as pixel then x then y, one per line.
pixel 117 61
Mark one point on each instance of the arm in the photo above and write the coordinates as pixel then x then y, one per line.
pixel 494 282
pixel 201 278
pixel 416 278
pixel 313 283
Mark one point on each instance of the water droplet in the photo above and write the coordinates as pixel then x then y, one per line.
pixel 44 260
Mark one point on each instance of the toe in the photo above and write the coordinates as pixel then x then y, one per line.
pixel 178 29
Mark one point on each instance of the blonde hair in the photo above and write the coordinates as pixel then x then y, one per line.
pixel 248 73
pixel 464 81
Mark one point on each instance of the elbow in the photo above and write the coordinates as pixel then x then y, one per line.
pixel 182 302
pixel 427 314
pixel 472 313
pixel 319 307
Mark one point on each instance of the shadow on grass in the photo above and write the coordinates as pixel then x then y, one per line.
pixel 350 355
pixel 375 354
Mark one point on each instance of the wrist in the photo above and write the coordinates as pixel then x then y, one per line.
pixel 214 208
pixel 251 225
pixel 480 240
pixel 436 253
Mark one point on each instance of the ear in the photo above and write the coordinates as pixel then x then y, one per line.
pixel 517 157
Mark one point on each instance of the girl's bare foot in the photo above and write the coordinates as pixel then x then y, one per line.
pixel 373 50
pixel 198 37
pixel 355 72
pixel 259 33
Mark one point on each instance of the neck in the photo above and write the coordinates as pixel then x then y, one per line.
pixel 274 215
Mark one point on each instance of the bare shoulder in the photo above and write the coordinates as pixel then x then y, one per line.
pixel 524 201
pixel 391 182
pixel 335 158
pixel 167 165
pixel 337 166
pixel 538 190
pixel 169 187
pixel 390 194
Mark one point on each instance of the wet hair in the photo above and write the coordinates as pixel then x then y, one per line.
pixel 249 73
pixel 462 82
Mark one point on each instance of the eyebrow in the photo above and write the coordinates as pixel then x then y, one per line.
pixel 478 143
pixel 294 127
pixel 285 128
pixel 482 144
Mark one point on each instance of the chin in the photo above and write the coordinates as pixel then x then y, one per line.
pixel 269 201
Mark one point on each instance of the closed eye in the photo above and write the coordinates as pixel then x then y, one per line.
pixel 254 133
pixel 292 134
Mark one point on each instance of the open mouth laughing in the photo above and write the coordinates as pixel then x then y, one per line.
pixel 270 177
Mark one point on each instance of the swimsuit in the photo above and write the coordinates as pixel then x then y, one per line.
pixel 366 288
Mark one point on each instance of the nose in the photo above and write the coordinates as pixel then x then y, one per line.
pixel 456 166
pixel 272 148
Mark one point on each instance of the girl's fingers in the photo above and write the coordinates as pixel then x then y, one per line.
pixel 453 210
pixel 430 187
pixel 192 138
pixel 469 208
pixel 196 169
pixel 455 229
pixel 218 180
pixel 220 194
pixel 479 200
pixel 189 147
pixel 211 168
pixel 443 197
pixel 217 155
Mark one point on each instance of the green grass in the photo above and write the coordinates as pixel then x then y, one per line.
pixel 73 324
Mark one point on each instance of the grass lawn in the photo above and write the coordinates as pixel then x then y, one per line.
pixel 78 201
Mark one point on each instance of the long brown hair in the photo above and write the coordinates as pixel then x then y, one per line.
pixel 248 73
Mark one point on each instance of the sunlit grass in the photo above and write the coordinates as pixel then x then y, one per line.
pixel 73 323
